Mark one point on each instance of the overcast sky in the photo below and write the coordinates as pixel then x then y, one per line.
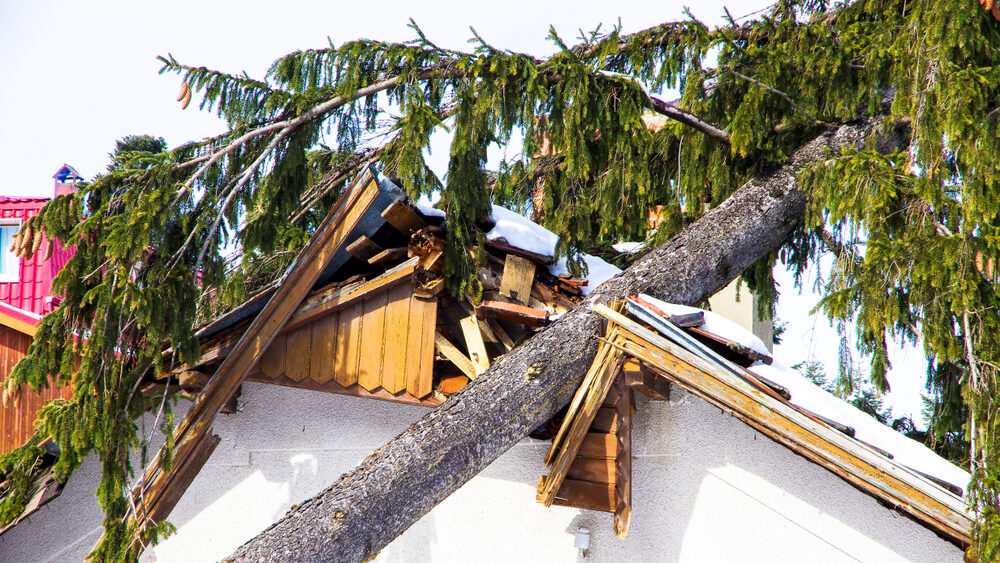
pixel 79 75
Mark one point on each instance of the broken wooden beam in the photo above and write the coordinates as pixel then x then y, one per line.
pixel 623 459
pixel 334 300
pixel 454 355
pixel 514 313
pixel 474 343
pixel 388 256
pixel 403 217
pixel 329 238
pixel 363 248
pixel 518 277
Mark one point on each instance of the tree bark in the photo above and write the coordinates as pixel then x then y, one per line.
pixel 397 484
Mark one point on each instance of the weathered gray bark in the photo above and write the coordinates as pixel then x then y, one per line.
pixel 397 484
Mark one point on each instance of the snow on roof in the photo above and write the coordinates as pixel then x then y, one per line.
pixel 808 395
pixel 426 205
pixel 521 232
pixel 905 451
pixel 630 247
pixel 717 325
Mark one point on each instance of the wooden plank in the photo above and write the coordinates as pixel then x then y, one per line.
pixel 182 476
pixel 363 248
pixel 584 494
pixel 397 316
pixel 576 438
pixel 518 275
pixel 514 313
pixel 372 341
pixel 501 334
pixel 423 319
pixel 340 298
pixel 474 343
pixel 272 363
pixel 388 256
pixel 599 445
pixel 593 372
pixel 623 460
pixel 513 250
pixel 454 355
pixel 328 239
pixel 298 351
pixel 324 343
pixel 403 217
pixel 606 420
pixel 348 345
pixel 596 470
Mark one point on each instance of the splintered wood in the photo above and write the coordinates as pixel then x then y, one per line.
pixel 740 393
pixel 590 457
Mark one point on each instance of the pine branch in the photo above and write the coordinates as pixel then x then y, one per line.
pixel 782 95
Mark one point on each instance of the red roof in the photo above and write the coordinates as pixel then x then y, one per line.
pixel 32 291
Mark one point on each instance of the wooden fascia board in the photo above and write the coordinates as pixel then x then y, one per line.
pixel 18 319
pixel 827 447
pixel 292 289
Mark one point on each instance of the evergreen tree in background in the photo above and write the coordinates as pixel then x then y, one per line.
pixel 914 230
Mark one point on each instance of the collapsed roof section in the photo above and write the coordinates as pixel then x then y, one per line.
pixel 924 487
pixel 361 312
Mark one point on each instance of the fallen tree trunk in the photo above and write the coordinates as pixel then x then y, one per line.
pixel 397 484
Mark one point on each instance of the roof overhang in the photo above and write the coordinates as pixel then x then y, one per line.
pixel 18 319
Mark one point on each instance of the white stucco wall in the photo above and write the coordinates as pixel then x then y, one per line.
pixel 706 488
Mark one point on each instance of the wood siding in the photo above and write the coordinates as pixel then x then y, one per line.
pixel 383 341
pixel 17 417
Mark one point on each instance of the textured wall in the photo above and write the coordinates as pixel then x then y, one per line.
pixel 17 416
pixel 707 488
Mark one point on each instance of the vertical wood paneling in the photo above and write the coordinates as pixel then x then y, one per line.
pixel 17 417
pixel 397 315
pixel 324 343
pixel 373 341
pixel 272 362
pixel 298 350
pixel 420 347
pixel 385 341
pixel 349 345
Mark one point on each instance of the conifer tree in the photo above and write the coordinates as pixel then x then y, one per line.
pixel 915 231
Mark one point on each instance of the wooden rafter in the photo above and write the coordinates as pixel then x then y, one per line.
pixel 153 495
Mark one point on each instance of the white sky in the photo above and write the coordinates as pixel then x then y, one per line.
pixel 79 75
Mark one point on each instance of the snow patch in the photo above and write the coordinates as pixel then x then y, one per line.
pixel 629 247
pixel 810 396
pixel 905 451
pixel 426 205
pixel 716 324
pixel 521 232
